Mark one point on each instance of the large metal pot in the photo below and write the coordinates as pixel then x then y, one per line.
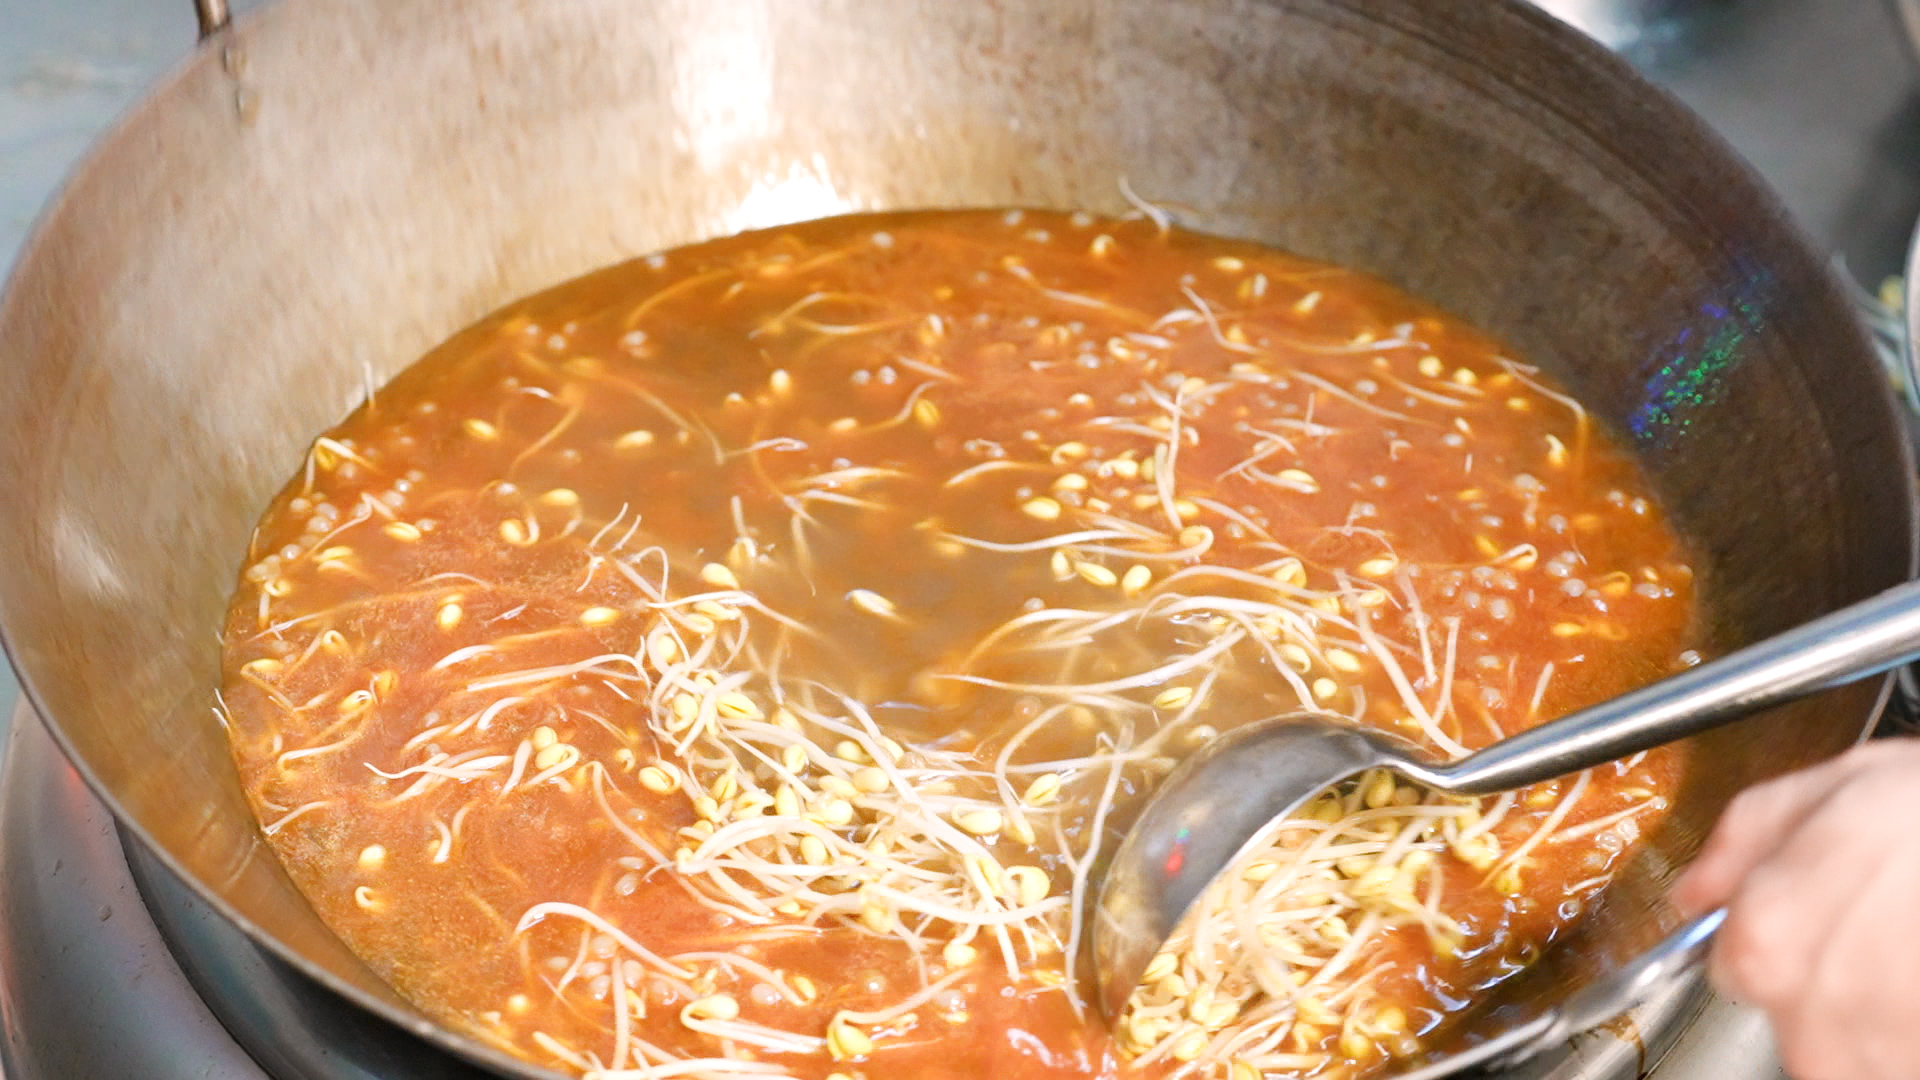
pixel 331 187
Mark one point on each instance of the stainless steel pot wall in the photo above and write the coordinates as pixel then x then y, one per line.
pixel 332 187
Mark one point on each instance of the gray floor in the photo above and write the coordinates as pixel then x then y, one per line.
pixel 1821 95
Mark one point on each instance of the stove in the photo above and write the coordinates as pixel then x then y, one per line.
pixel 1823 96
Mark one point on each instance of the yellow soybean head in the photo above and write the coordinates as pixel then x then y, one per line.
pixel 1044 789
pixel 845 1039
pixel 712 1007
pixel 979 822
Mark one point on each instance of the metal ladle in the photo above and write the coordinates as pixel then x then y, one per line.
pixel 1233 794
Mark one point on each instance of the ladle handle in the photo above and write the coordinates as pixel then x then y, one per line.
pixel 1632 985
pixel 1599 1003
pixel 1852 643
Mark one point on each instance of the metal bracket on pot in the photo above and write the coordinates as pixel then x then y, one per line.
pixel 1884 315
pixel 1892 318
pixel 214 16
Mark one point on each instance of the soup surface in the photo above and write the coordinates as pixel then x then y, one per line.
pixel 734 662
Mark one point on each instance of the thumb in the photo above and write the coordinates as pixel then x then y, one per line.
pixel 1752 828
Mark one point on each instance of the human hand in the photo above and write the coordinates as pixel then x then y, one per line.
pixel 1820 874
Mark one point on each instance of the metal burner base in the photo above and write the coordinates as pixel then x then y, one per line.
pixel 88 990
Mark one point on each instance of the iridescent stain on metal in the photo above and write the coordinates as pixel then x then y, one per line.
pixel 1177 856
pixel 1695 364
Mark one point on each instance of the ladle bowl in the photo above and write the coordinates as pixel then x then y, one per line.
pixel 1231 796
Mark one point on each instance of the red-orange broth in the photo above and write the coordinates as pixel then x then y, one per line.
pixel 724 664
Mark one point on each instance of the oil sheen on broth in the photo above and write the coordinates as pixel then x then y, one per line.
pixel 731 663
